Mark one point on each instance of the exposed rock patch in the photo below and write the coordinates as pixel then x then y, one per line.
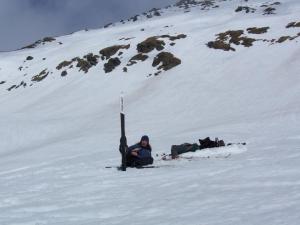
pixel 246 9
pixel 165 61
pixel 152 13
pixel 84 64
pixel 41 76
pixel 12 87
pixel 255 30
pixel 2 82
pixel 269 10
pixel 112 50
pixel 138 57
pixel 173 38
pixel 64 73
pixel 293 24
pixel 226 39
pixel 126 39
pixel 287 38
pixel 218 44
pixel 205 4
pixel 111 64
pixel 154 42
pixel 22 84
pixel 29 58
pixel 39 42
pixel 150 44
pixel 65 64
pixel 108 25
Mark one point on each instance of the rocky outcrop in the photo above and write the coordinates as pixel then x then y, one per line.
pixel 111 64
pixel 150 44
pixel 138 57
pixel 108 52
pixel 255 30
pixel 226 39
pixel 39 42
pixel 41 76
pixel 165 61
pixel 293 24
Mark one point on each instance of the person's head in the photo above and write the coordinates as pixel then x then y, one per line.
pixel 144 141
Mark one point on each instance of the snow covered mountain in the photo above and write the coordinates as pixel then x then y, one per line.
pixel 222 68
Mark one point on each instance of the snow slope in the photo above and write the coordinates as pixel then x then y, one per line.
pixel 58 135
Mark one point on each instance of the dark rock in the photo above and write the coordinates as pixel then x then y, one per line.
pixel 41 76
pixel 111 64
pixel 173 38
pixel 48 39
pixel 24 84
pixel 112 50
pixel 157 73
pixel 255 30
pixel 283 39
pixel 218 44
pixel 293 24
pixel 108 25
pixel 2 82
pixel 225 39
pixel 125 70
pixel 245 8
pixel 269 10
pixel 12 87
pixel 150 44
pixel 134 18
pixel 138 57
pixel 247 42
pixel 156 13
pixel 64 64
pixel 167 61
pixel 92 59
pixel 83 65
pixel 29 58
pixel 64 73
pixel 43 41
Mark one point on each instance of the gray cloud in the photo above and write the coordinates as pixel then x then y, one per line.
pixel 25 21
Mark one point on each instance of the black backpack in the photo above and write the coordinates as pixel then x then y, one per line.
pixel 207 143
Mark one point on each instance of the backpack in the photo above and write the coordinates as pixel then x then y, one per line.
pixel 207 143
pixel 183 148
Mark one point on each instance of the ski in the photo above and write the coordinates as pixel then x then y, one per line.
pixel 123 140
pixel 141 167
pixel 192 158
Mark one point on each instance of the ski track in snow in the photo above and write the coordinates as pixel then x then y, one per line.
pixel 57 137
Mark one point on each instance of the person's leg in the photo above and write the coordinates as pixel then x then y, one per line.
pixel 129 160
pixel 144 161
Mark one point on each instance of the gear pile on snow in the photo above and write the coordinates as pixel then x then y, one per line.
pixel 177 150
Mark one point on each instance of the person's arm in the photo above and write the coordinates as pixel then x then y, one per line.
pixel 134 149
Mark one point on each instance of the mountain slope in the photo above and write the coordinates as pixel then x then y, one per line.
pixel 59 132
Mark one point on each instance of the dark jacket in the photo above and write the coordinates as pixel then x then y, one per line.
pixel 144 152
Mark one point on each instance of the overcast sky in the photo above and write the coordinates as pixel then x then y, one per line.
pixel 25 21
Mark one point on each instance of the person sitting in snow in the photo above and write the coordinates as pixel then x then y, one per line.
pixel 139 154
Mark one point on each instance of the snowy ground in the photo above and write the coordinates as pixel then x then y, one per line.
pixel 57 136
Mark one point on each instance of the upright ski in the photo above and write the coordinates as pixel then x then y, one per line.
pixel 123 141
